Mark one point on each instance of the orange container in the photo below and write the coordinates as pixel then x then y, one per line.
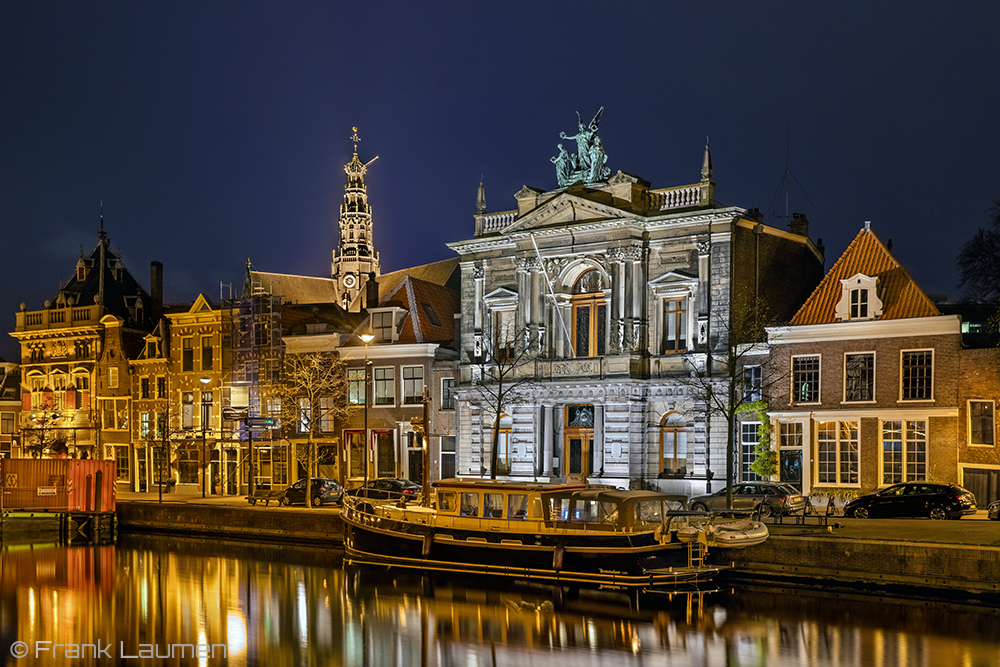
pixel 58 484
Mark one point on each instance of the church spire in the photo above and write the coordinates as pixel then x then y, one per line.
pixel 355 257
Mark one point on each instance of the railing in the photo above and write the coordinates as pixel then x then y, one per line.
pixel 682 196
pixel 498 221
pixel 45 319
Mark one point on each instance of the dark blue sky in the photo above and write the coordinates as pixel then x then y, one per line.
pixel 217 131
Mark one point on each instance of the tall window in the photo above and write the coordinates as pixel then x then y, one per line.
pixel 144 425
pixel 590 315
pixel 981 423
pixel 206 353
pixel 121 464
pixel 448 394
pixel 504 334
pixel 447 456
pixel 356 386
pixel 918 366
pixel 674 326
pixel 673 445
pixel 326 414
pixel 382 327
pixel 187 354
pixel 144 388
pixel 859 304
pixel 904 451
pixel 749 437
pixel 837 444
pixel 790 452
pixel 413 384
pixel 187 465
pixel 859 377
pixel 7 423
pixel 112 378
pixel 503 445
pixel 385 391
pixel 753 380
pixel 805 379
pixel 304 416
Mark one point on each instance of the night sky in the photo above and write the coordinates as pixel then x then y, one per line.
pixel 215 132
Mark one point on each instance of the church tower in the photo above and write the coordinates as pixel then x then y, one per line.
pixel 355 257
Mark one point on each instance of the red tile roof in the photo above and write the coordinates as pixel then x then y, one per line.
pixel 901 298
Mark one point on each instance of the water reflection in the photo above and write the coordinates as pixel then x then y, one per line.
pixel 264 605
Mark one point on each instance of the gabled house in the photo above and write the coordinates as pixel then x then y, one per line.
pixel 10 409
pixel 868 378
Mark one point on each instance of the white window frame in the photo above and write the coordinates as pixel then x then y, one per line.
pixel 819 379
pixel 405 381
pixel 902 354
pixel 905 477
pixel 448 391
pixel 968 422
pixel 840 454
pixel 874 357
pixel 375 381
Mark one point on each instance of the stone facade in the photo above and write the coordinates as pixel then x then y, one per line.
pixel 618 293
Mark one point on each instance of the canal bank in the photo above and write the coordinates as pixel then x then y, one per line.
pixel 952 557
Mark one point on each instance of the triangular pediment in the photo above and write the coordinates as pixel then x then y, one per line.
pixel 200 305
pixel 672 278
pixel 500 294
pixel 564 209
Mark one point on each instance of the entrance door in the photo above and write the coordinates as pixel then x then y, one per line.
pixel 791 466
pixel 264 467
pixel 579 449
pixel 578 443
pixel 232 478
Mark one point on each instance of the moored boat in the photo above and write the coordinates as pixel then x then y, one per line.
pixel 561 533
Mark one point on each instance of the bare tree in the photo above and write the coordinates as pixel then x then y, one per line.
pixel 503 375
pixel 313 388
pixel 979 261
pixel 738 374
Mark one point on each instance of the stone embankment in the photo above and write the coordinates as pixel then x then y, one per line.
pixel 949 557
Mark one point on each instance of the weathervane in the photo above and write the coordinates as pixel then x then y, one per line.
pixel 355 138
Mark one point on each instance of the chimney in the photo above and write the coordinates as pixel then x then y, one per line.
pixel 754 214
pixel 799 224
pixel 371 291
pixel 156 290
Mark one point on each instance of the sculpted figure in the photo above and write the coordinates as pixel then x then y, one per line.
pixel 564 166
pixel 598 172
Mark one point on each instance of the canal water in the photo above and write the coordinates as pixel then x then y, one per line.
pixel 172 601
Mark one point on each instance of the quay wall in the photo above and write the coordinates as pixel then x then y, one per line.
pixel 322 526
pixel 871 563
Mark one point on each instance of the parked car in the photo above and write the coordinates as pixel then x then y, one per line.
pixel 769 497
pixel 994 510
pixel 387 488
pixel 914 499
pixel 323 491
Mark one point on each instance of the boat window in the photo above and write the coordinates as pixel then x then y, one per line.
pixel 648 514
pixel 447 501
pixel 470 504
pixel 559 509
pixel 493 505
pixel 517 506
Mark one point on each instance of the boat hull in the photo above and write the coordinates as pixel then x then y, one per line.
pixel 613 561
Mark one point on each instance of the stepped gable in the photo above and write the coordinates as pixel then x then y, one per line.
pixel 901 298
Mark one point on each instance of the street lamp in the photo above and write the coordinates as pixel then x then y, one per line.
pixel 367 338
pixel 204 440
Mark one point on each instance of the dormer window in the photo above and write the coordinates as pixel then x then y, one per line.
pixel 859 299
pixel 81 271
pixel 859 303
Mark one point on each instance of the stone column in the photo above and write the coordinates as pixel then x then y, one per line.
pixel 598 441
pixel 617 259
pixel 637 283
pixel 547 433
pixel 479 275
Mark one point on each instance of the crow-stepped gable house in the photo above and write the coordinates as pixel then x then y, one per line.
pixel 616 293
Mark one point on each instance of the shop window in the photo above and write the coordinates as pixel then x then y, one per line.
pixel 837 452
pixel 904 451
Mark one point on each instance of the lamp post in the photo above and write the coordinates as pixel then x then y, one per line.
pixel 205 407
pixel 367 338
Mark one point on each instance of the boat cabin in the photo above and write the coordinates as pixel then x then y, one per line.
pixel 557 506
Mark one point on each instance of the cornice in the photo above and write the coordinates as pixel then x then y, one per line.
pixel 937 325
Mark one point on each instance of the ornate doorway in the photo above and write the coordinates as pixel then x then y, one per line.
pixel 578 442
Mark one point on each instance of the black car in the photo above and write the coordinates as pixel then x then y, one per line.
pixel 914 499
pixel 323 491
pixel 388 488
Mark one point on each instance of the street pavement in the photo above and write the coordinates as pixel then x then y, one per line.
pixel 210 499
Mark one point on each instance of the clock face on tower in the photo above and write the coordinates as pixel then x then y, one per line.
pixel 350 281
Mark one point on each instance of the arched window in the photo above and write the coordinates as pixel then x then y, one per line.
pixel 590 315
pixel 503 445
pixel 673 445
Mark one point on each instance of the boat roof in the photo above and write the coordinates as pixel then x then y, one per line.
pixel 506 485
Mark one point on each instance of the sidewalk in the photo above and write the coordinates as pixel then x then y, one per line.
pixel 211 500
